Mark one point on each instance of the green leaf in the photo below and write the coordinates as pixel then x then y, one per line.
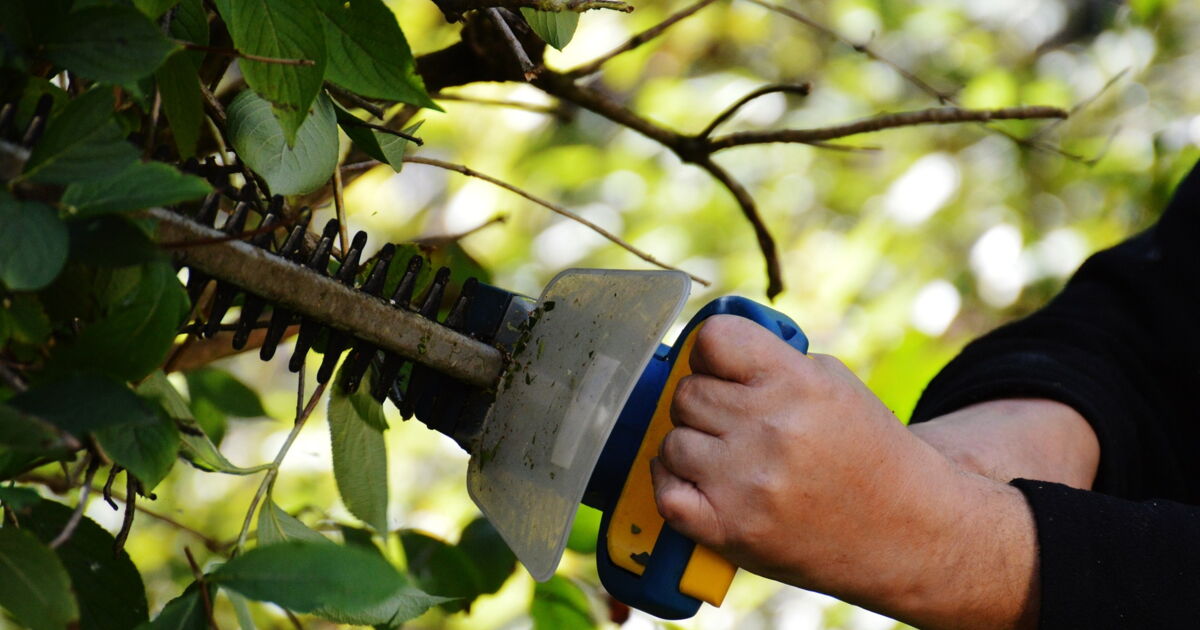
pixel 305 576
pixel 386 147
pixel 185 612
pixel 24 432
pixel 368 54
pixel 141 185
pixel 28 320
pixel 150 311
pixel 83 402
pixel 408 602
pixel 190 24
pixel 359 454
pixel 225 391
pixel 154 9
pixel 555 28
pixel 443 569
pixel 281 29
pixel 182 101
pixel 110 240
pixel 82 142
pixel 146 447
pixel 34 586
pixel 276 526
pixel 33 244
pixel 107 585
pixel 241 608
pixel 493 559
pixel 195 446
pixel 259 140
pixel 17 498
pixel 560 603
pixel 584 530
pixel 115 44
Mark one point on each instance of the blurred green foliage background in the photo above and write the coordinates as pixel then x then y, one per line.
pixel 893 258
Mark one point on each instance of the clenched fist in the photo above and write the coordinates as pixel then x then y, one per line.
pixel 790 467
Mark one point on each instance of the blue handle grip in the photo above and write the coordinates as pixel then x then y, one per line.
pixel 656 590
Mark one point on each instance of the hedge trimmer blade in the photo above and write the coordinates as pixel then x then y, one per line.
pixel 572 370
pixel 530 391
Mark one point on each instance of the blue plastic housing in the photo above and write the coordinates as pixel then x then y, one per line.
pixel 656 591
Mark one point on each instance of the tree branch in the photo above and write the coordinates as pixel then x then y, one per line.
pixel 942 96
pixel 801 89
pixel 557 209
pixel 745 201
pixel 593 66
pixel 230 52
pixel 453 9
pixel 934 116
pixel 527 66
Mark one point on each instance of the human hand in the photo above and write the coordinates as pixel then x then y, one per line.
pixel 790 467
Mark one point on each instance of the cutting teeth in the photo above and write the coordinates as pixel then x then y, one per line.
pixel 412 395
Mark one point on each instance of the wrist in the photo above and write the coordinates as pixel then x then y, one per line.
pixel 958 550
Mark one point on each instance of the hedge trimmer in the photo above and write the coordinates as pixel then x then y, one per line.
pixel 559 400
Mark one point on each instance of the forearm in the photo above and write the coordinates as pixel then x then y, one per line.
pixel 955 550
pixel 1017 438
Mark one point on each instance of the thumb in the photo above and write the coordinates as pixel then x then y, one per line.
pixel 685 507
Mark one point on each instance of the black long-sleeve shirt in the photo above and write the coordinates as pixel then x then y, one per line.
pixel 1121 345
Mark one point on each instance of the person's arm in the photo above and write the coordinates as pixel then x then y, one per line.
pixel 793 469
pixel 1013 438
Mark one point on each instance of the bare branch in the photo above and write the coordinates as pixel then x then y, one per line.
pixel 441 240
pixel 941 96
pixel 131 490
pixel 557 209
pixel 593 66
pixel 230 52
pixel 388 130
pixel 1078 107
pixel 458 7
pixel 528 68
pixel 203 587
pixel 766 242
pixel 93 463
pixel 373 109
pixel 340 208
pixel 303 411
pixel 801 89
pixel 550 110
pixel 934 116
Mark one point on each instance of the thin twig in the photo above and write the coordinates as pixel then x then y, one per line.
pixel 557 209
pixel 155 110
pixel 594 65
pixel 303 411
pixel 358 101
pixel 1078 107
pixel 942 96
pixel 340 209
pixel 434 242
pixel 108 494
pixel 934 116
pixel 230 52
pixel 527 66
pixel 388 130
pixel 131 487
pixel 549 110
pixel 458 7
pixel 800 89
pixel 93 463
pixel 766 242
pixel 11 379
pixel 203 588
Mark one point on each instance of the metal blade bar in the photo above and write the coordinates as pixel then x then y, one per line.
pixel 366 317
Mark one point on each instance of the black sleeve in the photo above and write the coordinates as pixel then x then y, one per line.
pixel 1121 345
